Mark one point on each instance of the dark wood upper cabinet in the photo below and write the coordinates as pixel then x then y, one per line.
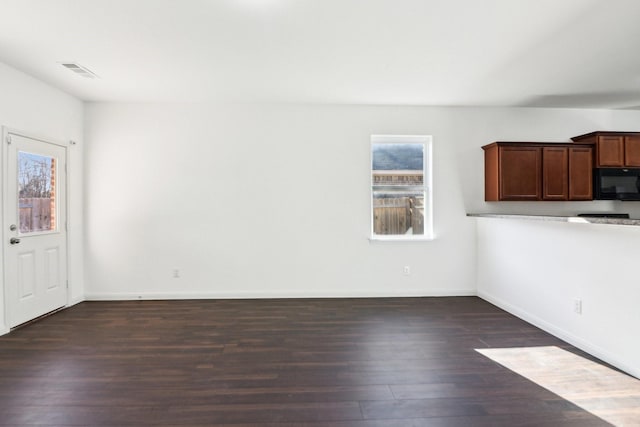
pixel 610 151
pixel 580 173
pixel 512 172
pixel 520 172
pixel 613 149
pixel 537 171
pixel 632 150
pixel 555 173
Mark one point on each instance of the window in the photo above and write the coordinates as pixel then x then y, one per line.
pixel 401 207
pixel 36 192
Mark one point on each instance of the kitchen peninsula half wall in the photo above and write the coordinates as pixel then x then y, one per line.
pixel 573 277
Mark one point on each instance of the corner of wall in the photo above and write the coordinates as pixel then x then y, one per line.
pixel 561 333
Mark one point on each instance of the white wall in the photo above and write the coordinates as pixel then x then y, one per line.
pixel 263 200
pixel 30 106
pixel 537 269
pixel 260 201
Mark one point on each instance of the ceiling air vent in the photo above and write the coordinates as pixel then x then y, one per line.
pixel 79 69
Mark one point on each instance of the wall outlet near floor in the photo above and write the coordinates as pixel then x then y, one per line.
pixel 577 306
pixel 406 270
pixel 176 273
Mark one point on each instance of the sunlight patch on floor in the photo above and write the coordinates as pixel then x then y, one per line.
pixel 608 394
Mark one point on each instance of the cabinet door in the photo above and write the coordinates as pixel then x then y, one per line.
pixel 555 173
pixel 520 173
pixel 580 173
pixel 632 151
pixel 610 151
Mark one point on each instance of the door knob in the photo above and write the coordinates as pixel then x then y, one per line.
pixel 14 241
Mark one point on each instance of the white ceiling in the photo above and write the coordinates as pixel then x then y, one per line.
pixel 552 53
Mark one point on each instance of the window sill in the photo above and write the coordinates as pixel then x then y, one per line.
pixel 400 238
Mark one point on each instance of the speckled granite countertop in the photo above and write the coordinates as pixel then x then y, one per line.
pixel 575 219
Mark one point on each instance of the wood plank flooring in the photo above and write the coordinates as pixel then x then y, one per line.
pixel 385 362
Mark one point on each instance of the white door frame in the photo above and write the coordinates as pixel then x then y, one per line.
pixel 6 132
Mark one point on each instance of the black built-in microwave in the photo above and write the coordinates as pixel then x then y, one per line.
pixel 616 184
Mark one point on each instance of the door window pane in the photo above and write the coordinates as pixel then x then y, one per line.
pixel 36 192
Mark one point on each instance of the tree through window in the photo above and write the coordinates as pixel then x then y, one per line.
pixel 36 192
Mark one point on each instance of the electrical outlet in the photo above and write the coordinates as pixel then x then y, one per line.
pixel 406 270
pixel 176 273
pixel 577 306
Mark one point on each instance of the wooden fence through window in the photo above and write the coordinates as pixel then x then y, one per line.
pixel 35 214
pixel 398 215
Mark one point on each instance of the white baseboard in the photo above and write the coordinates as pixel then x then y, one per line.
pixel 576 341
pixel 4 331
pixel 74 301
pixel 129 296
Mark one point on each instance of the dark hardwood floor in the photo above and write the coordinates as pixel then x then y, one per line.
pixel 384 362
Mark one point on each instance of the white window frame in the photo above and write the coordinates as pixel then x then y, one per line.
pixel 427 142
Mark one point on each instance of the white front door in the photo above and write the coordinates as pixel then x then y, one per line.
pixel 35 255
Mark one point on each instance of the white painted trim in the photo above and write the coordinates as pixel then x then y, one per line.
pixel 67 216
pixel 4 329
pixel 401 238
pixel 74 301
pixel 129 296
pixel 586 346
pixel 41 138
